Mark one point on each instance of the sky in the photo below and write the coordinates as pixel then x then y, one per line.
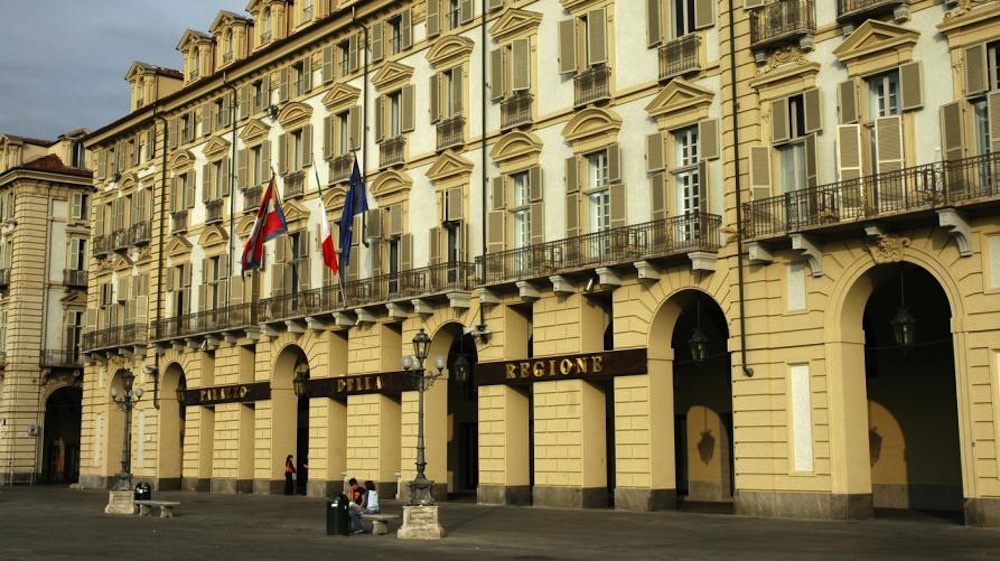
pixel 63 62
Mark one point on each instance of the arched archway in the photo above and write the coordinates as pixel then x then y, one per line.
pixel 289 420
pixel 463 416
pixel 61 448
pixel 173 420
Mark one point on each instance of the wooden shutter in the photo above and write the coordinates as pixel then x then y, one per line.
pixel 811 173
pixel 242 167
pixel 779 121
pixel 520 65
pixel 226 172
pixel 302 262
pixel 889 143
pixel 283 168
pixel 203 287
pixel 354 121
pixel 236 295
pixel 747 4
pixel 572 198
pixel 812 110
pixel 307 137
pixel 396 220
pixel 174 136
pixel 456 91
pixel 567 46
pixel 910 87
pixel 373 218
pixel 283 85
pixel 433 18
pixel 406 29
pixel 494 5
pixel 654 152
pixel 847 101
pixel 618 218
pixel 407 108
pixel 993 108
pixel 379 128
pixel 279 265
pixel 704 13
pixel 597 42
pixel 614 163
pixel 496 75
pixel 760 172
pixel 466 12
pixel 976 74
pixel 207 120
pixel 206 181
pixel 537 191
pixel 456 208
pixel 848 152
pixel 952 131
pixel 265 161
pixel 328 136
pixel 102 164
pixel 496 221
pixel 708 139
pixel 189 191
pixel 352 52
pixel 243 106
pixel 658 197
pixel 435 245
pixel 378 44
pixel 654 33
pixel 435 97
pixel 327 70
pixel 306 79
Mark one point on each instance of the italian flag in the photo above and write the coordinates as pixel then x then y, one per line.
pixel 329 253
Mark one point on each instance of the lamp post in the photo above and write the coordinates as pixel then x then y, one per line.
pixel 126 402
pixel 904 327
pixel 698 343
pixel 300 383
pixel 421 379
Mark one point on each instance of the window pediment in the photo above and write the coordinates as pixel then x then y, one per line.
pixel 334 199
pixel 388 183
pixel 969 15
pixel 449 164
pixel 212 235
pixel 450 50
pixel 515 22
pixel 181 160
pixel 515 144
pixel 294 114
pixel 578 5
pixel 224 19
pixel 592 122
pixel 121 262
pixel 74 298
pixel 876 44
pixel 245 225
pixel 192 39
pixel 293 211
pixel 801 76
pixel 391 76
pixel 216 148
pixel 254 132
pixel 341 96
pixel 680 100
pixel 178 246
pixel 128 181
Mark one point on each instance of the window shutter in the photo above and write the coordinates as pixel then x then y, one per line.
pixel 889 143
pixel 352 52
pixel 407 102
pixel 307 138
pixel 910 87
pixel 227 112
pixel 658 197
pixel 572 198
pixel 243 107
pixel 456 91
pixel 303 263
pixel 227 172
pixel 653 33
pixel 328 136
pixel 497 218
pixel 760 172
pixel 307 75
pixel 283 85
pixel 373 217
pixel 704 186
pixel 396 220
pixel 993 108
pixel 207 118
pixel 102 164
pixel 535 183
pixel 617 191
pixel 242 167
pixel 708 139
pixel 174 134
pixel 379 108
pixel 265 161
pixel 236 290
pixel 466 12
pixel 176 201
pixel 567 46
pixel 189 191
pixel 520 65
pixel 206 180
pixel 704 13
pixel 433 18
pixel 406 29
pixel 435 245
pixel 537 223
pixel 377 46
pixel 848 152
pixel 654 152
pixel 976 74
pixel 614 164
pixel 406 252
pixel 597 24
pixel 496 75
pixel 327 70
pixel 354 122
pixel 811 174
pixel 435 98
pixel 456 210
pixel 812 109
pixel 376 253
pixel 847 101
pixel 779 120
pixel 283 154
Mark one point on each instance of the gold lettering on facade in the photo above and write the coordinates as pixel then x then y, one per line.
pixel 538 369
pixel 565 366
pixel 525 369
pixel 581 364
pixel 598 364
pixel 511 371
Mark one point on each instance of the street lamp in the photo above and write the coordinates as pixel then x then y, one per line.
pixel 181 388
pixel 126 402
pixel 420 487
pixel 300 383
pixel 904 327
pixel 698 343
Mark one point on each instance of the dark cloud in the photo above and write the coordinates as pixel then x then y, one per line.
pixel 63 62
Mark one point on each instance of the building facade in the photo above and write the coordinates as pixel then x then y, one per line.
pixel 644 283
pixel 45 193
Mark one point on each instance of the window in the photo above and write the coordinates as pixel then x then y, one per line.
pixel 295 152
pixel 216 287
pixel 884 94
pixel 687 178
pixel 985 123
pixel 74 331
pixel 793 153
pixel 395 34
pixel 79 156
pixel 583 42
pixel 265 25
pixel 255 170
pixel 300 259
pixel 344 50
pixel 228 54
pixel 598 194
pixel 343 123
pixel 302 76
pixel 77 254
pixel 261 97
pixel 307 10
pixel 521 210
pixel 79 206
pixel 183 192
pixel 181 289
pixel 395 114
pixel 683 17
pixel 453 14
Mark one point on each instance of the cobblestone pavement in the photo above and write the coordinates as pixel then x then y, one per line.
pixel 60 523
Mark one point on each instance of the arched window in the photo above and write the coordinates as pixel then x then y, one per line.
pixel 265 25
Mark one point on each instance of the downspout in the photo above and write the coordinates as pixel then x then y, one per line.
pixel 481 328
pixel 232 182
pixel 747 371
pixel 159 243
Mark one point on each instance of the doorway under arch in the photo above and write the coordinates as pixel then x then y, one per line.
pixel 61 449
pixel 463 416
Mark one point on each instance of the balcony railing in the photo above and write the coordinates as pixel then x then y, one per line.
pixel 179 222
pixel 4 278
pixel 213 211
pixel 60 358
pixel 945 183
pixel 119 336
pixel 390 151
pixel 75 278
pixel 140 233
pixel 850 9
pixel 204 322
pixel 341 168
pixel 680 56
pixel 781 20
pixel 592 85
pixel 627 244
pixel 102 245
pixel 119 240
pixel 515 110
pixel 451 132
pixel 295 185
pixel 251 198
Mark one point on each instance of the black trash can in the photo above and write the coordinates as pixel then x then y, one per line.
pixel 337 517
pixel 143 491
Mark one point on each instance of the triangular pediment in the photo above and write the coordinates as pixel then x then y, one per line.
pixel 391 74
pixel 136 70
pixel 181 159
pixel 591 121
pixel 75 298
pixel 212 235
pixel 449 164
pixel 514 22
pixel 191 38
pixel 120 262
pixel 873 36
pixel 679 95
pixel 515 144
pixel 293 211
pixel 224 19
pixel 178 246
pixel 254 132
pixel 389 182
pixel 294 113
pixel 450 49
pixel 341 95
pixel 216 147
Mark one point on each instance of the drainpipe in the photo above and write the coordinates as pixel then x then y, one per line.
pixel 747 371
pixel 232 180
pixel 159 243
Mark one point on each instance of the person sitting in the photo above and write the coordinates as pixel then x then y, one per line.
pixel 371 498
pixel 356 506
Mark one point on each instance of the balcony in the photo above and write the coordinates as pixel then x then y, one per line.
pixel 135 334
pixel 852 12
pixel 905 193
pixel 679 235
pixel 295 185
pixel 515 110
pixel 230 318
pixel 782 21
pixel 341 168
pixel 680 56
pixel 213 211
pixel 4 278
pixel 120 240
pixel 61 359
pixel 251 198
pixel 102 246
pixel 390 152
pixel 451 133
pixel 74 278
pixel 179 222
pixel 592 85
pixel 140 233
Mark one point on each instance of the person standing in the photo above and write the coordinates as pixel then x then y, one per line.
pixel 289 475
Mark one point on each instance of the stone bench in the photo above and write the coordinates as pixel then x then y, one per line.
pixel 166 508
pixel 380 522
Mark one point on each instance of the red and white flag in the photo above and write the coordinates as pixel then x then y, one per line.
pixel 329 253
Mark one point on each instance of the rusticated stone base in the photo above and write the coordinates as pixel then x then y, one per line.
pixel 121 502
pixel 316 488
pixel 645 500
pixel 92 482
pixel 918 497
pixel 269 486
pixel 420 523
pixel 804 505
pixel 196 484
pixel 167 484
pixel 503 495
pixel 982 512
pixel 224 486
pixel 244 486
pixel 570 497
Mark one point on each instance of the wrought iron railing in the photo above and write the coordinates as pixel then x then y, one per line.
pixel 626 244
pixel 118 336
pixel 5 277
pixel 140 233
pixel 213 211
pixel 781 19
pixel 179 222
pixel 390 151
pixel 850 8
pixel 680 56
pixel 72 277
pixel 228 318
pixel 63 358
pixel 102 245
pixel 451 132
pixel 120 240
pixel 515 110
pixel 944 183
pixel 341 167
pixel 295 185
pixel 251 198
pixel 592 85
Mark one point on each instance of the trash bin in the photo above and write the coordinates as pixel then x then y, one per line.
pixel 337 516
pixel 143 491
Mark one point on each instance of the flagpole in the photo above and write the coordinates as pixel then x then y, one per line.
pixel 322 205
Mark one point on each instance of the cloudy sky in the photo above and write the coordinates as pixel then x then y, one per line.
pixel 63 62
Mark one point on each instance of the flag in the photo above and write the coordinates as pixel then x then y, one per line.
pixel 329 253
pixel 356 203
pixel 270 223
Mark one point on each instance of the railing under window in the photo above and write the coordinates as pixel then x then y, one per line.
pixel 390 151
pixel 56 358
pixel 680 56
pixel 179 222
pixel 72 277
pixel 295 185
pixel 781 19
pixel 139 233
pixel 102 245
pixel 213 211
pixel 850 8
pixel 120 239
pixel 228 318
pixel 251 198
pixel 118 336
pixel 451 132
pixel 341 168
pixel 515 110
pixel 592 85
pixel 626 244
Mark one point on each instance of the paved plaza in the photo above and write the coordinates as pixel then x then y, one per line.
pixel 61 523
